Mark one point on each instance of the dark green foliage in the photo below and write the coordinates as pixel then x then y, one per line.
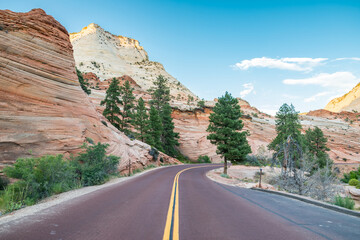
pixel 156 129
pixel 41 175
pixel 160 93
pixel 94 166
pixel 84 84
pixel 315 142
pixel 127 100
pixel 111 101
pixel 201 103
pixel 169 138
pixel 160 102
pixel 3 182
pixel 154 153
pixel 141 122
pixel 203 159
pixel 351 175
pixel 287 124
pixel 225 130
pixel 182 158
pixel 252 160
pixel 345 202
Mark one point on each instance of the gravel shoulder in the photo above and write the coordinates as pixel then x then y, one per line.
pixel 66 196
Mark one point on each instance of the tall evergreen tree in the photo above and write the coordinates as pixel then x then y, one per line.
pixel 127 100
pixel 160 101
pixel 141 122
pixel 225 130
pixel 160 93
pixel 83 84
pixel 287 124
pixel 156 129
pixel 316 144
pixel 169 138
pixel 111 101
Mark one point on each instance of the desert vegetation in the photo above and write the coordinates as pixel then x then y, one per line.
pixel 303 164
pixel 40 177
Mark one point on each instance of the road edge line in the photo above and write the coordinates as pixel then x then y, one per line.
pixel 311 201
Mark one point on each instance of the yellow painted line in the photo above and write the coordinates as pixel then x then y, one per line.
pixel 173 211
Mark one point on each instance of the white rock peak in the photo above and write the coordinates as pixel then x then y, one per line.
pixel 108 56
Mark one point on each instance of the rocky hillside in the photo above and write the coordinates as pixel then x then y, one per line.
pixel 42 107
pixel 108 56
pixel 191 122
pixel 348 102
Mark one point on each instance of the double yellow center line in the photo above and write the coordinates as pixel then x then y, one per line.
pixel 171 231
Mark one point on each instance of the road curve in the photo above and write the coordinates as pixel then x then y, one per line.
pixel 139 209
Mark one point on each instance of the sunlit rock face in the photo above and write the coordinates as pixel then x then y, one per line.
pixel 102 56
pixel 348 102
pixel 108 56
pixel 43 110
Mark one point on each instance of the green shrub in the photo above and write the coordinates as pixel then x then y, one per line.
pixel 353 182
pixel 345 202
pixel 358 186
pixel 224 175
pixel 41 174
pixel 252 160
pixel 351 175
pixel 204 159
pixel 3 183
pixel 93 166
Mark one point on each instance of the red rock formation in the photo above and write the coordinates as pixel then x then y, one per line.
pixel 42 107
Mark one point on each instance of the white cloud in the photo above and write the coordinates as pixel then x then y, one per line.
pixel 342 81
pixel 316 96
pixel 294 64
pixel 349 58
pixel 249 87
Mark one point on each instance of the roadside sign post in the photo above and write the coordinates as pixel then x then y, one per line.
pixel 260 177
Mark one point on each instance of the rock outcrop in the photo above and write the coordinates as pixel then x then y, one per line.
pixel 348 102
pixel 108 56
pixel 42 107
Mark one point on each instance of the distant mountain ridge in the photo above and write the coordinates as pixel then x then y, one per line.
pixel 348 102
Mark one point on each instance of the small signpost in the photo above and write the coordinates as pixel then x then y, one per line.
pixel 260 177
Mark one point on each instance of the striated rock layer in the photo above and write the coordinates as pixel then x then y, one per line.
pixel 42 107
pixel 108 56
pixel 348 102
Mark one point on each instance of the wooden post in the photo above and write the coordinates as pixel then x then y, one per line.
pixel 260 177
pixel 129 167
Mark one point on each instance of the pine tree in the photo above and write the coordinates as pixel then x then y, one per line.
pixel 156 129
pixel 141 121
pixel 225 130
pixel 316 144
pixel 169 138
pixel 111 102
pixel 127 100
pixel 287 124
pixel 83 84
pixel 160 101
pixel 160 93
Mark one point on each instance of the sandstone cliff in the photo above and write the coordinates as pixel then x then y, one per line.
pixel 42 107
pixel 108 56
pixel 348 102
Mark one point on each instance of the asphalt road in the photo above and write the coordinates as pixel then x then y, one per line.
pixel 165 203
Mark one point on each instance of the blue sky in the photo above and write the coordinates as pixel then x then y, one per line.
pixel 268 52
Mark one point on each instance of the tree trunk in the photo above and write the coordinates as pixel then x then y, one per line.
pixel 225 166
